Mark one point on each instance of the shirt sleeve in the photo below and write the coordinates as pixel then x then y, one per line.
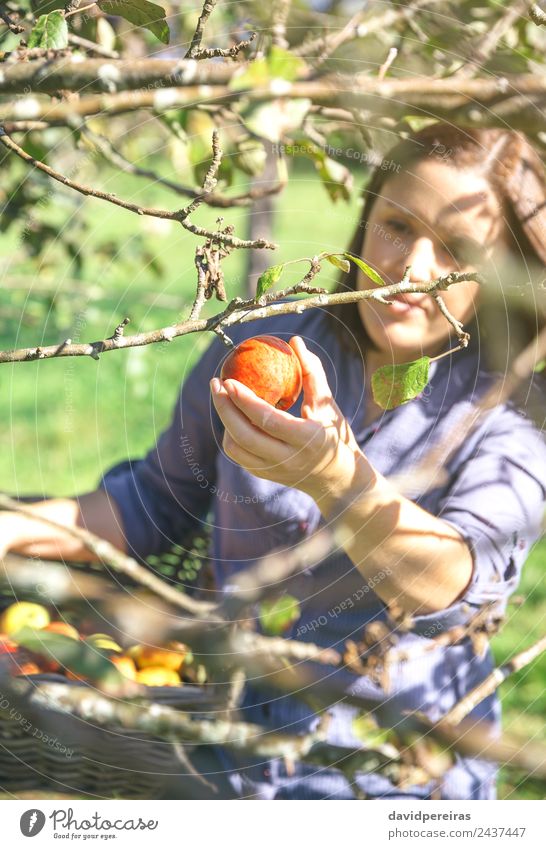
pixel 496 502
pixel 168 493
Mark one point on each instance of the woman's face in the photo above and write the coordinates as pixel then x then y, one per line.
pixel 437 219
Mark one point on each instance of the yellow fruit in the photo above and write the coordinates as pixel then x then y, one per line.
pixel 158 676
pixel 21 614
pixel 62 628
pixel 145 656
pixel 103 642
pixel 28 669
pixel 125 665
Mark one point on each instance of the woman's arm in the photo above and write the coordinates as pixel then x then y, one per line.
pixel 425 563
pixel 94 511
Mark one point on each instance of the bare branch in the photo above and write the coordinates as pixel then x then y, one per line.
pixel 488 43
pixel 493 680
pixel 109 152
pixel 195 46
pixel 360 25
pixel 180 215
pixel 12 26
pixel 488 102
pixel 92 46
pixel 537 15
pixel 196 52
pixel 281 8
pixel 237 311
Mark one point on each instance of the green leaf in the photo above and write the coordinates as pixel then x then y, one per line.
pixel 396 384
pixel 283 64
pixel 417 122
pixel 141 13
pixel 268 279
pixel 336 178
pixel 344 264
pixel 366 729
pixel 540 366
pixel 277 616
pixel 76 655
pixel 367 269
pixel 49 32
pixel 278 64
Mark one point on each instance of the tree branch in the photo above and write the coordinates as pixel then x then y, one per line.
pixel 237 311
pixel 487 45
pixel 181 215
pixel 492 102
pixel 493 680
pixel 213 199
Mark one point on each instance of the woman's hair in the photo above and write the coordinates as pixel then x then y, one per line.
pixel 516 175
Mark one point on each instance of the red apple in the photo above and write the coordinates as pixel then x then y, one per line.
pixel 269 367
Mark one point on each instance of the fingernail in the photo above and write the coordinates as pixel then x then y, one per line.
pixel 214 384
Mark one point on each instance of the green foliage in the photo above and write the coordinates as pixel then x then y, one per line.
pixel 76 655
pixel 343 264
pixel 268 279
pixel 278 64
pixel 277 616
pixel 49 31
pixel 393 385
pixel 141 13
pixel 367 269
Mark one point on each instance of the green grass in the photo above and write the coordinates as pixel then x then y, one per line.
pixel 65 421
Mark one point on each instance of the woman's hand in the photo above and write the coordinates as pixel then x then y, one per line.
pixel 316 453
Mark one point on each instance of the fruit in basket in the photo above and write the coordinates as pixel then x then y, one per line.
pixel 171 657
pixel 27 669
pixel 58 627
pixel 125 665
pixel 7 646
pixel 104 642
pixel 158 676
pixel 21 614
pixel 268 366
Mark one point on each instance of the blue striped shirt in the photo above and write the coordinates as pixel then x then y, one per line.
pixel 492 491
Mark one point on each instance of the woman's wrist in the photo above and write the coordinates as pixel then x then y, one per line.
pixel 336 493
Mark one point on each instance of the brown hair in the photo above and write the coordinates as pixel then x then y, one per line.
pixel 515 173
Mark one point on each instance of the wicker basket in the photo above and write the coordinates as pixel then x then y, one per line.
pixel 56 751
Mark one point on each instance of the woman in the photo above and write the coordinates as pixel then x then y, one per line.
pixel 270 478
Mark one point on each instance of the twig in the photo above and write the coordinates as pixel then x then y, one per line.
pixel 78 41
pixel 359 27
pixel 281 8
pixel 214 199
pixel 391 56
pixel 13 27
pixel 237 311
pixel 180 215
pixel 74 10
pixel 457 325
pixel 195 46
pixel 115 559
pixel 537 15
pixel 488 43
pixel 164 721
pixel 493 680
pixel 195 51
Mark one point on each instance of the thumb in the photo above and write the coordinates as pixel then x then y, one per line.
pixel 317 395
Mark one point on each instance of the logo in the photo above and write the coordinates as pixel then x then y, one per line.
pixel 32 822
